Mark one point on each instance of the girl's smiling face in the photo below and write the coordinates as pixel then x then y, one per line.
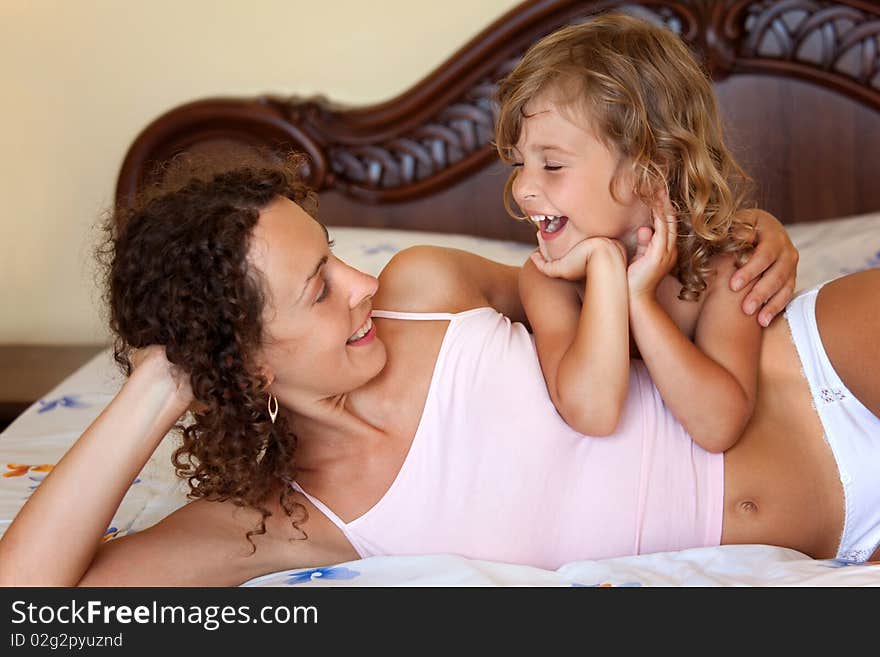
pixel 564 179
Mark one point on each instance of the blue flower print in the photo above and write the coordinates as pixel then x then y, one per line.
pixel 38 478
pixel 338 572
pixel 604 585
pixel 380 248
pixel 841 563
pixel 69 401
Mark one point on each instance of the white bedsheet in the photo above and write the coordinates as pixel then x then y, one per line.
pixel 36 440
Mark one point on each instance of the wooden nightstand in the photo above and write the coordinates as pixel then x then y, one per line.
pixel 27 372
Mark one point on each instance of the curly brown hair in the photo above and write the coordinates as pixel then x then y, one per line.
pixel 653 104
pixel 177 275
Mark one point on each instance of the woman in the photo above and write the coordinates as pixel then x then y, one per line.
pixel 321 435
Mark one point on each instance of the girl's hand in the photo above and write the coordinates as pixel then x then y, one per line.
pixel 773 264
pixel 151 362
pixel 573 265
pixel 656 254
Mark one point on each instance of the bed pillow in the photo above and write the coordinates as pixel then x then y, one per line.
pixel 370 249
pixel 829 249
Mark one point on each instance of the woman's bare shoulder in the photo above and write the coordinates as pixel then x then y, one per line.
pixel 440 279
pixel 205 543
pixel 424 279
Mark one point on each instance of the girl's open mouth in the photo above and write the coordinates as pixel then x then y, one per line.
pixel 550 225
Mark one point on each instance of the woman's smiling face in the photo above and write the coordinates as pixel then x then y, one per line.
pixel 319 340
pixel 564 178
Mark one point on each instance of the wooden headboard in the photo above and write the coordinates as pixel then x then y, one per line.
pixel 798 82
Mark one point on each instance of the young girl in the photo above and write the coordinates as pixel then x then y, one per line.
pixel 616 140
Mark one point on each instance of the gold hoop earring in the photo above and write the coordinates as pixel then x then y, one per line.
pixel 273 412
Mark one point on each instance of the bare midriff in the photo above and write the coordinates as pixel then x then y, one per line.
pixel 781 483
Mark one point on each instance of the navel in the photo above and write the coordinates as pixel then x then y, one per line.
pixel 748 506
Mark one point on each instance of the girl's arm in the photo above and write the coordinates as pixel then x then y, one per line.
pixel 583 346
pixel 709 384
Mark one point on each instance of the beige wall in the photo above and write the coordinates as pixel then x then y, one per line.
pixel 80 78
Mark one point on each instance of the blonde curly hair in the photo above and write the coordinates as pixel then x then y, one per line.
pixel 650 101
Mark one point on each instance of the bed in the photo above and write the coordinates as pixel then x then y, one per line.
pixel 799 83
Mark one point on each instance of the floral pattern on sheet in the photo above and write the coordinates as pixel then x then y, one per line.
pixel 37 479
pixel 67 401
pixel 113 532
pixel 606 585
pixel 21 469
pixel 314 574
pixel 845 563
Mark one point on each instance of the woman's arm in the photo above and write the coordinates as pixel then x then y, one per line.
pixel 710 384
pixel 583 345
pixel 56 538
pixel 56 533
pixel 772 267
pixel 204 544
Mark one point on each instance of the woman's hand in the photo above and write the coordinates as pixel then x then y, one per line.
pixel 773 264
pixel 54 537
pixel 655 256
pixel 151 363
pixel 573 265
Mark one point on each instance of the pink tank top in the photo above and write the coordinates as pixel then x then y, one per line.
pixel 494 472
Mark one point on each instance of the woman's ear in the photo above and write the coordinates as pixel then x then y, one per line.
pixel 267 374
pixel 264 371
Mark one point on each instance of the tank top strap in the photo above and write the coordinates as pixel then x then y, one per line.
pixel 323 508
pixel 394 314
